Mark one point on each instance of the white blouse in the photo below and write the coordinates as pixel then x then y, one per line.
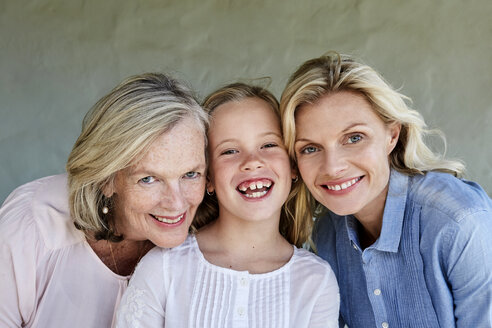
pixel 49 275
pixel 178 287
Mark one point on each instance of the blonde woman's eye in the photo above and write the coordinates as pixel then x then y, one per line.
pixel 192 175
pixel 354 139
pixel 309 150
pixel 147 180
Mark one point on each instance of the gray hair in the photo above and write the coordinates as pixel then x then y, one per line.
pixel 116 132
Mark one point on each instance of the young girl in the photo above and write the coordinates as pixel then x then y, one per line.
pixel 242 268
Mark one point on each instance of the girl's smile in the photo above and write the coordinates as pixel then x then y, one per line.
pixel 255 189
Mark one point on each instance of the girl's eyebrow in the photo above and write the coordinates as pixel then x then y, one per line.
pixel 266 134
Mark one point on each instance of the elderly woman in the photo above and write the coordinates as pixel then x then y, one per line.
pixel 408 240
pixel 69 243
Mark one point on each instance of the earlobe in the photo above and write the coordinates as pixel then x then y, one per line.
pixel 209 186
pixel 294 174
pixel 108 189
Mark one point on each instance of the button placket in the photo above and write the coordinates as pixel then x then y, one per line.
pixel 241 308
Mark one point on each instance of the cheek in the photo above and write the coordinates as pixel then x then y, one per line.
pixel 194 192
pixel 306 169
pixel 141 200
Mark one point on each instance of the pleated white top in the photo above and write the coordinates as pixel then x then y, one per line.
pixel 179 288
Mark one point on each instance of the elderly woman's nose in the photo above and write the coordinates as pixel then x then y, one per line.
pixel 172 196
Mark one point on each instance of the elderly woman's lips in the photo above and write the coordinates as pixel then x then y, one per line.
pixel 167 219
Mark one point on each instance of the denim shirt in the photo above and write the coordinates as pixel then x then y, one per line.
pixel 431 265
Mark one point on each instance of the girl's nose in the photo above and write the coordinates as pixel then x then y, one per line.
pixel 252 162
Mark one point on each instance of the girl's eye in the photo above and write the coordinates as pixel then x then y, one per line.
pixel 354 139
pixel 308 150
pixel 229 152
pixel 147 180
pixel 269 145
pixel 191 175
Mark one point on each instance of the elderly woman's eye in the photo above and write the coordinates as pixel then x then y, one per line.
pixel 192 175
pixel 148 179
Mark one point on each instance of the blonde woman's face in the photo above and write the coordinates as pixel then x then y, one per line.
pixel 157 197
pixel 342 150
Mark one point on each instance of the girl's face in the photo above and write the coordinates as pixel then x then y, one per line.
pixel 249 169
pixel 342 150
pixel 157 197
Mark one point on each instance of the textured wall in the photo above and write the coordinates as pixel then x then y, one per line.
pixel 58 57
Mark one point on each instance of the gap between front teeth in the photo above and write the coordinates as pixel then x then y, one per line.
pixel 255 185
pixel 169 220
pixel 344 185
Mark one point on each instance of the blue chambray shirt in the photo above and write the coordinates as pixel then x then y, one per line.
pixel 431 265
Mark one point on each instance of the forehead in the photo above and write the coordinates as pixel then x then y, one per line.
pixel 249 112
pixel 338 109
pixel 176 151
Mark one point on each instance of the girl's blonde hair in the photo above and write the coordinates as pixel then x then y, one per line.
pixel 116 133
pixel 334 72
pixel 294 225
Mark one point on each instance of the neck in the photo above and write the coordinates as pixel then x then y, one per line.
pixel 121 257
pixel 254 246
pixel 371 220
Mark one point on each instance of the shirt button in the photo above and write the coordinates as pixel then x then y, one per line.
pixel 243 282
pixel 385 325
pixel 240 311
pixel 377 291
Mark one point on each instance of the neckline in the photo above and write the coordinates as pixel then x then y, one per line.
pixel 228 271
pixel 101 263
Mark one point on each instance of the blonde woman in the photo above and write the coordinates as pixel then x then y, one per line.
pixel 409 240
pixel 136 175
pixel 241 268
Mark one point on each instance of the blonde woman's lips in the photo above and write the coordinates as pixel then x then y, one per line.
pixel 341 186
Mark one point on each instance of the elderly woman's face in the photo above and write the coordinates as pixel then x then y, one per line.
pixel 157 197
pixel 342 149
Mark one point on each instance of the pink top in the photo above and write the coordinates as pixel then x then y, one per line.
pixel 49 275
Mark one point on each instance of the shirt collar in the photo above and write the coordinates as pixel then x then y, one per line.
pixel 394 210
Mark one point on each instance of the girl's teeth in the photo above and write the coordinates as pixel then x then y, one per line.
pixel 254 185
pixel 256 194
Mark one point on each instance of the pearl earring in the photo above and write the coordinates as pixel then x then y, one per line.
pixel 105 210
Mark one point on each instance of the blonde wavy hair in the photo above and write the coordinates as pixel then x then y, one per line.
pixel 295 226
pixel 116 133
pixel 334 72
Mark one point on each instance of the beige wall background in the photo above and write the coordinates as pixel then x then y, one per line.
pixel 58 57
